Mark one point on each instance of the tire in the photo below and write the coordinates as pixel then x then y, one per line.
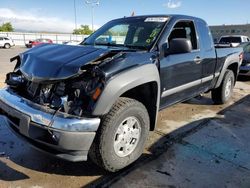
pixel 223 93
pixel 7 46
pixel 106 150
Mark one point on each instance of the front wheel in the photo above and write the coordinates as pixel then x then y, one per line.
pixel 7 46
pixel 121 138
pixel 223 93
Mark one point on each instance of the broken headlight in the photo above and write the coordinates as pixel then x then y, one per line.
pixel 14 79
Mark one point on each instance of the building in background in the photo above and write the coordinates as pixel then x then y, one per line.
pixel 219 30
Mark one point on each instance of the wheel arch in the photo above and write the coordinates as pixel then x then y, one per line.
pixel 146 94
pixel 230 64
pixel 141 83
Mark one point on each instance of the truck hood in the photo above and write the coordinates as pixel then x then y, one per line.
pixel 54 62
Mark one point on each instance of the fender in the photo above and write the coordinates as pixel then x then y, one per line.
pixel 229 61
pixel 124 82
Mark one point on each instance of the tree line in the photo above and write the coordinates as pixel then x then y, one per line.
pixel 83 30
pixel 6 27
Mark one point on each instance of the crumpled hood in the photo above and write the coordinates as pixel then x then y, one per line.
pixel 53 61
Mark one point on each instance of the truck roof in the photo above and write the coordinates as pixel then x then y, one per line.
pixel 176 16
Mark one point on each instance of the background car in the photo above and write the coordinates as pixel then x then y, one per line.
pixel 233 40
pixel 6 42
pixel 245 66
pixel 37 42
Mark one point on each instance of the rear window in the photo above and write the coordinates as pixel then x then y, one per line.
pixel 227 40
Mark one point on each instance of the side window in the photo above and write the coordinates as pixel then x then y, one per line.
pixel 6 39
pixel 1 38
pixel 185 29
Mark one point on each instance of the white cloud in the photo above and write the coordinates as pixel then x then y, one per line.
pixel 31 22
pixel 172 4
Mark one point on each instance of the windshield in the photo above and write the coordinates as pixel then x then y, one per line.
pixel 230 40
pixel 138 32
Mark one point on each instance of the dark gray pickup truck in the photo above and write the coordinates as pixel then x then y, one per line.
pixel 101 98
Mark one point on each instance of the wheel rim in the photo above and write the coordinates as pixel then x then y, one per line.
pixel 228 88
pixel 7 46
pixel 127 136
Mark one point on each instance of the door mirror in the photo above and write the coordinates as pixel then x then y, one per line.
pixel 177 46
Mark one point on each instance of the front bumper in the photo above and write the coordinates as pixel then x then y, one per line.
pixel 65 136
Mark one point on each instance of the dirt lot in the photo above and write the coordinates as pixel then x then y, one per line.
pixel 196 144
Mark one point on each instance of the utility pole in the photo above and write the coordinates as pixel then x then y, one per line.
pixel 92 4
pixel 75 13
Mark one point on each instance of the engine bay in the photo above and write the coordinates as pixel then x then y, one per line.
pixel 75 96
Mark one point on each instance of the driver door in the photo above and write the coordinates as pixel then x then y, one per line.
pixel 181 73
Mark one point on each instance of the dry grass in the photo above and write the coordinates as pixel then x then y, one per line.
pixel 2 78
pixel 2 84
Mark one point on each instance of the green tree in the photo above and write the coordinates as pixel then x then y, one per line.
pixel 83 30
pixel 6 27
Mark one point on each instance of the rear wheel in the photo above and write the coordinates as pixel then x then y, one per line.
pixel 223 93
pixel 7 46
pixel 121 138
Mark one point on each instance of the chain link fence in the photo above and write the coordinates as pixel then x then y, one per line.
pixel 20 38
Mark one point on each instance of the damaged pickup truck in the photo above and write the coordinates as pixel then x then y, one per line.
pixel 101 98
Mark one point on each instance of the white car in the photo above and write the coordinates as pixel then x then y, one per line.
pixel 6 42
pixel 233 40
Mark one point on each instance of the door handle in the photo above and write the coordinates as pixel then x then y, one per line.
pixel 197 60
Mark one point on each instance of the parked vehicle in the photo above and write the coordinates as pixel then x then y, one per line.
pixel 245 66
pixel 33 43
pixel 101 99
pixel 6 42
pixel 232 40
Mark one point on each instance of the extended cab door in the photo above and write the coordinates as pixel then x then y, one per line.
pixel 181 73
pixel 208 54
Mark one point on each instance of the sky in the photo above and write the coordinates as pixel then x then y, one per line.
pixel 59 15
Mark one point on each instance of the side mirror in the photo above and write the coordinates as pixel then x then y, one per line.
pixel 177 46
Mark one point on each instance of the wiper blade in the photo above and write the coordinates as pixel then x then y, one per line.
pixel 107 44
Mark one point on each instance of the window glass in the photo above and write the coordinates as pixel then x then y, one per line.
pixel 139 33
pixel 227 40
pixel 115 35
pixel 185 29
pixel 1 38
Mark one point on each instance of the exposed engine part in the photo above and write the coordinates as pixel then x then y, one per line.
pixel 85 92
pixel 32 89
pixel 75 96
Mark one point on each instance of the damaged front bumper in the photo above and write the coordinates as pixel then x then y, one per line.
pixel 65 136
